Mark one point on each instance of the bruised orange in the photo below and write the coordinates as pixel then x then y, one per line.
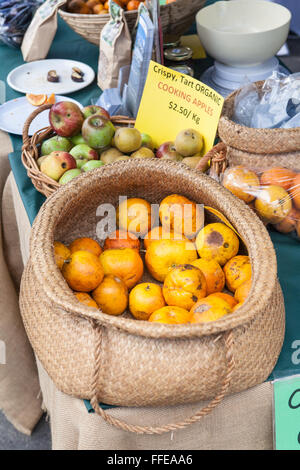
pixel 237 271
pixel 171 315
pixel 85 244
pixel 184 286
pixel 144 299
pixel 217 241
pixel 241 182
pixel 86 299
pixel 61 253
pixel 121 239
pixel 180 214
pixel 111 295
pixel 273 204
pixel 243 291
pixel 83 271
pixel 209 309
pixel 163 255
pixel 278 176
pixel 227 297
pixel 213 273
pixel 125 264
pixel 36 100
pixel 134 215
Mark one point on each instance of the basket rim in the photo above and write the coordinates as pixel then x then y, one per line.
pixel 256 238
pixel 106 15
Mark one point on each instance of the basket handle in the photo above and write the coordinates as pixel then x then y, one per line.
pixel 31 117
pixel 217 155
pixel 228 339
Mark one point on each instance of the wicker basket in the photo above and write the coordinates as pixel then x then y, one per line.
pixel 176 19
pixel 126 362
pixel 259 148
pixel 31 149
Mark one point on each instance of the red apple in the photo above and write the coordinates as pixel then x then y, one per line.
pixel 93 109
pixel 66 118
pixel 56 164
pixel 167 151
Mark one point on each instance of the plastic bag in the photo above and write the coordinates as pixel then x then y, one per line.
pixel 275 106
pixel 273 193
pixel 15 17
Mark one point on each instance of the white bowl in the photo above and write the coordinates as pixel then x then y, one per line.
pixel 243 32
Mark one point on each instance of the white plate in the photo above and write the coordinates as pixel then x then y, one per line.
pixel 14 113
pixel 32 77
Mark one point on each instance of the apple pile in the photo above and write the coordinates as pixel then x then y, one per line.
pixel 87 139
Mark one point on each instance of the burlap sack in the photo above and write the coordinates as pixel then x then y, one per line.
pixel 121 361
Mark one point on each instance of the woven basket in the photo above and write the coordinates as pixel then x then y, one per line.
pixel 176 19
pixel 31 149
pixel 126 362
pixel 259 148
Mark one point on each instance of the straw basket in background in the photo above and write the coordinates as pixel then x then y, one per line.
pixel 126 362
pixel 257 148
pixel 176 19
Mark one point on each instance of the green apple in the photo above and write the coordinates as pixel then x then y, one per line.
pixel 127 139
pixel 109 155
pixel 69 175
pixel 143 152
pixel 83 150
pixel 80 162
pixel 147 141
pixel 91 165
pixel 77 139
pixel 57 163
pixel 97 131
pixel 40 159
pixel 56 144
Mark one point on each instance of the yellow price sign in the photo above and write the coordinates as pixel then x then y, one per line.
pixel 173 101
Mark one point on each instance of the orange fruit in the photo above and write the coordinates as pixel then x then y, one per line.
pixel 227 297
pixel 125 264
pixel 121 239
pixel 36 100
pixel 92 3
pixel 86 299
pixel 241 182
pixel 97 8
pixel 61 253
pixel 163 255
pixel 133 5
pixel 217 241
pixel 273 204
pixel 237 271
pixel 85 10
pixel 144 299
pixel 243 291
pixel 160 233
pixel 184 286
pixel 179 214
pixel 278 176
pixel 134 215
pixel 111 295
pixel 51 99
pixel 209 309
pixel 288 224
pixel 213 273
pixel 295 191
pixel 171 315
pixel 83 271
pixel 85 244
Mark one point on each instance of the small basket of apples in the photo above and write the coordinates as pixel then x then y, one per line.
pixel 80 140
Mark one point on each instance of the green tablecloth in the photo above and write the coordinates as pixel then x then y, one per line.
pixel 68 44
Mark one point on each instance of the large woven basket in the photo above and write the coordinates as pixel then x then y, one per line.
pixel 122 361
pixel 259 148
pixel 176 19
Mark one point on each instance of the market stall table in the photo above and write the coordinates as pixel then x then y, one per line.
pixel 242 421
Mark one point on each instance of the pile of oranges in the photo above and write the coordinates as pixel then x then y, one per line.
pixel 196 274
pixel 100 7
pixel 274 194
